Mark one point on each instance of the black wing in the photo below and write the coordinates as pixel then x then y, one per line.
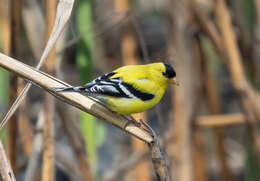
pixel 115 87
pixel 106 86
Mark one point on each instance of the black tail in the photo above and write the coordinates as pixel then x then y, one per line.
pixel 69 89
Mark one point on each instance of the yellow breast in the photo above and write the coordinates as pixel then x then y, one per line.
pixel 126 106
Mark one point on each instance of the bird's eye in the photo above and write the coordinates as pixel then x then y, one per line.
pixel 164 74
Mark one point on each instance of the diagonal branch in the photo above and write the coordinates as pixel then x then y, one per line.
pixel 63 13
pixel 47 82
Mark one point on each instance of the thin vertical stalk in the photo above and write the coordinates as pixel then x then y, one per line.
pixel 34 25
pixel 25 129
pixel 198 155
pixel 214 108
pixel 142 171
pixel 184 98
pixel 198 149
pixel 6 25
pixel 14 15
pixel 48 168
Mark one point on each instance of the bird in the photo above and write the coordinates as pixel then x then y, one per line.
pixel 129 89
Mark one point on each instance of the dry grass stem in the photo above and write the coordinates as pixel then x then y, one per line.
pixel 142 170
pixel 198 158
pixel 184 100
pixel 5 169
pixel 12 129
pixel 63 13
pixel 24 126
pixel 159 161
pixel 220 120
pixel 48 167
pixel 198 150
pixel 48 82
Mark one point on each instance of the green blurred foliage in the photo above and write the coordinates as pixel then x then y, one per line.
pixel 3 88
pixel 93 130
pixel 3 95
pixel 210 55
pixel 249 14
pixel 252 167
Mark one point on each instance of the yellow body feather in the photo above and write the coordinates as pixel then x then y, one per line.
pixel 146 78
pixel 129 89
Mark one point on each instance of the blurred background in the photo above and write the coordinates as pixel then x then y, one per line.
pixel 208 126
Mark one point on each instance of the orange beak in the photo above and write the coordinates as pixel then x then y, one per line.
pixel 173 81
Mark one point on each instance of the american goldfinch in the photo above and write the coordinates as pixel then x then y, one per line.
pixel 129 89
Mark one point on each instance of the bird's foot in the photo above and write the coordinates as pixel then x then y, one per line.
pixel 146 127
pixel 131 120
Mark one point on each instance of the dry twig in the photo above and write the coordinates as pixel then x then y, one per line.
pixel 5 169
pixel 63 13
pixel 48 82
pixel 13 15
pixel 48 167
pixel 220 120
pixel 197 142
pixel 158 158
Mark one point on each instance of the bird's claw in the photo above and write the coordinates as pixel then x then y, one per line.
pixel 146 127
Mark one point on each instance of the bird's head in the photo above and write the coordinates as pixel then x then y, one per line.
pixel 170 74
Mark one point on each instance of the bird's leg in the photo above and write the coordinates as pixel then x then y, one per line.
pixel 132 120
pixel 146 127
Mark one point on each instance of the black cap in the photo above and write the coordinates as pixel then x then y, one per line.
pixel 170 73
